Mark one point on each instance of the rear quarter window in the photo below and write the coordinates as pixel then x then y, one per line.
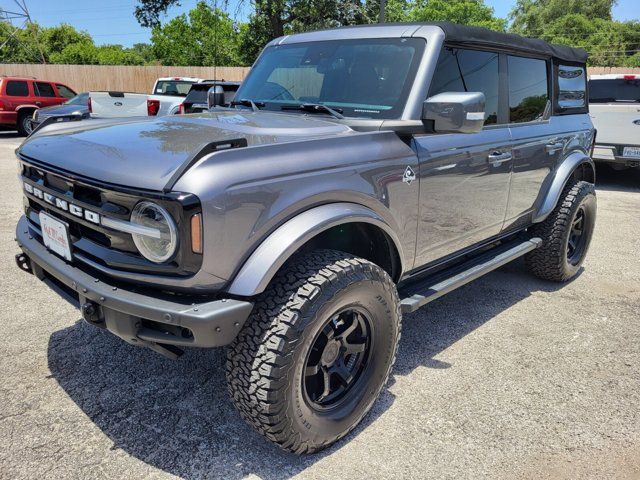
pixel 17 88
pixel 572 87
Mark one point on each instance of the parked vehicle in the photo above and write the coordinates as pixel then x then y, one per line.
pixel 198 99
pixel 614 105
pixel 99 105
pixel 361 173
pixel 21 96
pixel 170 92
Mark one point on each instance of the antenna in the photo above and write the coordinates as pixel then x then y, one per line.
pixel 23 19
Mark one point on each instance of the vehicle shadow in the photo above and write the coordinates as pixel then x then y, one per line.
pixel 608 179
pixel 176 416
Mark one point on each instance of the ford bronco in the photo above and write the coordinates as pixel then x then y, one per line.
pixel 359 174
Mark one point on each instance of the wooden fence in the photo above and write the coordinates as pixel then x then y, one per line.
pixel 83 78
pixel 124 78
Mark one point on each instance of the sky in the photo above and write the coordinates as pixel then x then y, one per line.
pixel 112 21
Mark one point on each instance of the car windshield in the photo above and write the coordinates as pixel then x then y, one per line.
pixel 614 90
pixel 80 99
pixel 176 88
pixel 368 78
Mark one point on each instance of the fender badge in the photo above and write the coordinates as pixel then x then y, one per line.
pixel 409 175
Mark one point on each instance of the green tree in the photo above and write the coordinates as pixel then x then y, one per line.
pixel 205 36
pixel 466 12
pixel 580 23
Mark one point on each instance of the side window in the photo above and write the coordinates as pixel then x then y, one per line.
pixel 17 88
pixel 572 87
pixel 45 89
pixel 528 89
pixel 65 92
pixel 460 70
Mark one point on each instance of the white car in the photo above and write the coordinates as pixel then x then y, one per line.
pixel 614 105
pixel 98 105
pixel 170 92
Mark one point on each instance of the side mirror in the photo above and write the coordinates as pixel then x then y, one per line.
pixel 455 112
pixel 215 96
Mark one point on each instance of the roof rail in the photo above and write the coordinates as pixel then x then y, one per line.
pixel 18 76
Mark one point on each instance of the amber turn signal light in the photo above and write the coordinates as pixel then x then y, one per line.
pixel 196 233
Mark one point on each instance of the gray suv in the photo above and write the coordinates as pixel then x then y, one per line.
pixel 359 174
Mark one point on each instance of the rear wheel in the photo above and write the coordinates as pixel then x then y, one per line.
pixel 566 234
pixel 318 349
pixel 24 123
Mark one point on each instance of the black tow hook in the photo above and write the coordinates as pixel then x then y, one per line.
pixel 24 263
pixel 90 312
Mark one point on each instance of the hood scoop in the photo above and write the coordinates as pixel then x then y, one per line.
pixel 205 150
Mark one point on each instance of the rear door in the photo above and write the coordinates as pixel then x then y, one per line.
pixel 538 141
pixel 46 95
pixel 464 178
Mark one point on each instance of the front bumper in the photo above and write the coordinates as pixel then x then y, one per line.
pixel 148 318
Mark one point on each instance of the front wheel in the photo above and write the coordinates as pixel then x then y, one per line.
pixel 317 350
pixel 566 234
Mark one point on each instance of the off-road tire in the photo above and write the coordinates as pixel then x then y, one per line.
pixel 24 123
pixel 265 363
pixel 550 261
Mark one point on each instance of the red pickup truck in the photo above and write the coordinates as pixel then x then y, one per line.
pixel 21 96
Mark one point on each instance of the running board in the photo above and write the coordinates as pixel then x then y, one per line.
pixel 418 295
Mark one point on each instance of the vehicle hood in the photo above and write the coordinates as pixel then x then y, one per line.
pixel 61 110
pixel 145 152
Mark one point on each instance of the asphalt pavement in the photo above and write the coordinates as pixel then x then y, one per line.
pixel 508 377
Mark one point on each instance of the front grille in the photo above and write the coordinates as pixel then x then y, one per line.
pixel 96 243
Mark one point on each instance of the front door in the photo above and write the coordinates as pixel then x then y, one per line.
pixel 464 186
pixel 464 178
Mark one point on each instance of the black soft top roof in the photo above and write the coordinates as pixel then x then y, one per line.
pixel 466 34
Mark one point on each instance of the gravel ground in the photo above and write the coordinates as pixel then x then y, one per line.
pixel 508 377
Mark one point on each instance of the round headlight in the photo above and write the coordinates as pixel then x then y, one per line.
pixel 159 240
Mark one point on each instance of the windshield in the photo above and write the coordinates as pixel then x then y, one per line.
pixel 176 88
pixel 80 99
pixel 360 78
pixel 614 90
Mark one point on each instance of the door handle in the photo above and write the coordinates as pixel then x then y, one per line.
pixel 552 147
pixel 498 158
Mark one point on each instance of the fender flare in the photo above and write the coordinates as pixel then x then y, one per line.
pixel 560 178
pixel 26 106
pixel 265 261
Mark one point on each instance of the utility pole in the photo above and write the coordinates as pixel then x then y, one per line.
pixel 382 6
pixel 21 15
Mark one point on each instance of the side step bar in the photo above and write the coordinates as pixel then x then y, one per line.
pixel 418 295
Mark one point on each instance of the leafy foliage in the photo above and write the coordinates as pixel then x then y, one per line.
pixel 207 35
pixel 580 23
pixel 203 37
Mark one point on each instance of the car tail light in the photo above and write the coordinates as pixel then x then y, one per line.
pixel 629 77
pixel 89 105
pixel 153 106
pixel 181 109
pixel 196 233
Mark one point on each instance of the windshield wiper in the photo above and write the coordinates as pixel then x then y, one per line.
pixel 245 102
pixel 315 108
